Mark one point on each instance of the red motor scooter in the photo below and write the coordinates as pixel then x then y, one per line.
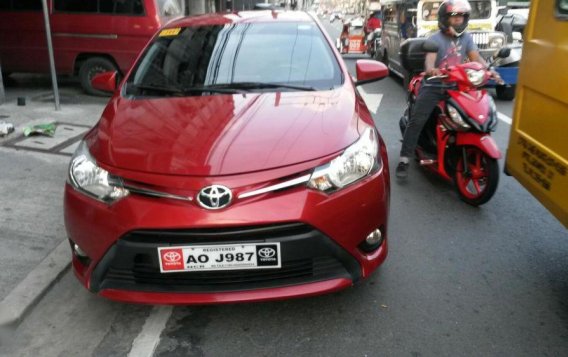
pixel 456 142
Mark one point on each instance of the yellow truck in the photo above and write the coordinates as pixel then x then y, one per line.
pixel 537 155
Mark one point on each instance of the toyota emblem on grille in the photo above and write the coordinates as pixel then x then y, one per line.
pixel 172 257
pixel 214 197
pixel 266 252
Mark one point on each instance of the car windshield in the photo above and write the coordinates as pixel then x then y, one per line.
pixel 480 9
pixel 243 57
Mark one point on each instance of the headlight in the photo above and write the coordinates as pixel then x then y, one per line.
pixel 496 42
pixel 457 118
pixel 357 161
pixel 87 177
pixel 475 77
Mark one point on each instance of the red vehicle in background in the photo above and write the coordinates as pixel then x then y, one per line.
pixel 89 36
pixel 373 27
pixel 352 38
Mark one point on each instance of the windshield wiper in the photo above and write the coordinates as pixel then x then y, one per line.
pixel 213 89
pixel 157 88
pixel 262 85
pixel 181 91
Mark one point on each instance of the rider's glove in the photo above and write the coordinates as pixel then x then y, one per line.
pixel 433 72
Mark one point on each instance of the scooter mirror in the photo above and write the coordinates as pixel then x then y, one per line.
pixel 430 46
pixel 504 53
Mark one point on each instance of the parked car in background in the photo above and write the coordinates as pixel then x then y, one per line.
pixel 227 169
pixel 89 36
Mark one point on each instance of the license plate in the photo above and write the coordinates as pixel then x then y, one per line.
pixel 219 257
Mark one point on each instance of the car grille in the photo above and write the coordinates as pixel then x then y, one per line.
pixel 481 39
pixel 149 274
pixel 307 256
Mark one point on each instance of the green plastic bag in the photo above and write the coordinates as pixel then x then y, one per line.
pixel 40 129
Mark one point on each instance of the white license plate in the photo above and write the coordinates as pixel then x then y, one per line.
pixel 219 257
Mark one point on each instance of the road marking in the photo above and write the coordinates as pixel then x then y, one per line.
pixel 373 100
pixel 504 118
pixel 146 342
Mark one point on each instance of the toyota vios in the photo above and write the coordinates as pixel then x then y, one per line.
pixel 235 162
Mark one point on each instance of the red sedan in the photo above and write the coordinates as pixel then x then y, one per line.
pixel 235 162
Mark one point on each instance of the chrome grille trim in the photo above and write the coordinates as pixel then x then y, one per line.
pixel 153 193
pixel 286 184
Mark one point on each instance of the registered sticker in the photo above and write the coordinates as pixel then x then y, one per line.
pixel 170 32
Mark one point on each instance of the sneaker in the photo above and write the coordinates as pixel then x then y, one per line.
pixel 402 170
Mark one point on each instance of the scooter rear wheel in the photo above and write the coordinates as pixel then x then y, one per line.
pixel 478 183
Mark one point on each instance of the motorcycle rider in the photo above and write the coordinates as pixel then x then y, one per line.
pixel 373 22
pixel 455 46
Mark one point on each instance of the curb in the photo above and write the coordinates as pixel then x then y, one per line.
pixel 35 285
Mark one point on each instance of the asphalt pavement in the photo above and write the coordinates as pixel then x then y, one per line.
pixel 459 280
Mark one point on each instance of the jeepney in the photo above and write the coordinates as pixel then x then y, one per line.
pixel 403 19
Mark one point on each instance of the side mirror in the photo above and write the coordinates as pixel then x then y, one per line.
pixel 504 52
pixel 429 46
pixel 370 71
pixel 502 10
pixel 105 81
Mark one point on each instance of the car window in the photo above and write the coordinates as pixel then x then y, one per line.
pixel 20 5
pixel 562 7
pixel 236 53
pixel 124 7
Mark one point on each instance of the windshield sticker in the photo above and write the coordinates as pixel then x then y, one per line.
pixel 170 32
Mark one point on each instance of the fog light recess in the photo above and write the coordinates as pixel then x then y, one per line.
pixel 78 251
pixel 373 241
pixel 80 254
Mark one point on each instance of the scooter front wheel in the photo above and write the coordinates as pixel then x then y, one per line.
pixel 476 177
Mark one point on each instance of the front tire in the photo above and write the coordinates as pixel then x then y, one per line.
pixel 478 184
pixel 89 69
pixel 506 93
pixel 385 59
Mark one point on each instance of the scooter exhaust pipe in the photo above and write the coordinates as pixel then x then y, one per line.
pixel 425 162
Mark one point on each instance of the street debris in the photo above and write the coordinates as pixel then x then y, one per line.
pixel 47 129
pixel 6 128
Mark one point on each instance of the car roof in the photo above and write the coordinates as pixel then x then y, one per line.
pixel 257 16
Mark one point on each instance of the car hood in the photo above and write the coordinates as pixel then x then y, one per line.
pixel 224 134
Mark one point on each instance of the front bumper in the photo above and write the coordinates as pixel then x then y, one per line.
pixel 319 235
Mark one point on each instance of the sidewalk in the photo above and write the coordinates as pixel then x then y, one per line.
pixel 31 185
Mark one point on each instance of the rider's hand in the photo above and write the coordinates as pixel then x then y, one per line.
pixel 434 72
pixel 497 78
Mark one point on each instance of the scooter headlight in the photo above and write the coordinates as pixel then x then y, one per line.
pixel 87 177
pixel 457 118
pixel 359 160
pixel 475 77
